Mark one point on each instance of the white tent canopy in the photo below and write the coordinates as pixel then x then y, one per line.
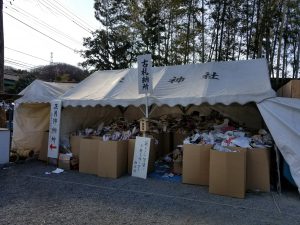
pixel 32 113
pixel 214 82
pixel 239 82
pixel 43 92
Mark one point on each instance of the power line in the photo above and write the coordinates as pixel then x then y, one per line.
pixel 18 61
pixel 40 32
pixel 48 4
pixel 71 13
pixel 18 64
pixel 42 23
pixel 70 16
pixel 27 54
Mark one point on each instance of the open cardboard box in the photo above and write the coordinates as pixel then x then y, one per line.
pixel 88 157
pixel 112 158
pixel 227 172
pixel 196 164
pixel 258 169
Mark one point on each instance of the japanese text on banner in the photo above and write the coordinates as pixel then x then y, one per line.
pixel 54 128
pixel 144 74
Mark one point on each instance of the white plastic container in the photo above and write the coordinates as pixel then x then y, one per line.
pixel 4 145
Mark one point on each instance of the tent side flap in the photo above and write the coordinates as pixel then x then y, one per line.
pixel 282 116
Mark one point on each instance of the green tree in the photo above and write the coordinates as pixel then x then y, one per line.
pixel 22 83
pixel 110 47
pixel 59 72
pixel 180 32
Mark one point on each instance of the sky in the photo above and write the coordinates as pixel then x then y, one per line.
pixel 63 21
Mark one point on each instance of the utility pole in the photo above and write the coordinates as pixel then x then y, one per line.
pixel 51 58
pixel 1 49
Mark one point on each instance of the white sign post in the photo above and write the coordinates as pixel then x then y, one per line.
pixel 54 129
pixel 142 144
pixel 141 157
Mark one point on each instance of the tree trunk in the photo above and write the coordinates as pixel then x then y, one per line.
pixel 187 40
pixel 240 47
pixel 211 49
pixel 296 70
pixel 258 30
pixel 1 49
pixel 168 40
pixel 280 40
pixel 250 32
pixel 203 32
pixel 193 33
pixel 217 34
pixel 285 46
pixel 220 57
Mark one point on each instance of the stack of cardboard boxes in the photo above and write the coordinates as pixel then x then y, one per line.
pixel 110 159
pixel 227 173
pixel 103 158
pixel 290 90
pixel 196 164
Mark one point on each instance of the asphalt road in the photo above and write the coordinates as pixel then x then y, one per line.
pixel 29 196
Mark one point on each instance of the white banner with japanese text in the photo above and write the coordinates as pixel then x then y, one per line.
pixel 144 74
pixel 54 129
pixel 141 157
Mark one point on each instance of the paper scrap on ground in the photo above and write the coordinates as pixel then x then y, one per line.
pixel 58 170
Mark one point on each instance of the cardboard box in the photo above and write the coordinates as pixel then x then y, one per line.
pixel 178 139
pixel 196 164
pixel 158 144
pixel 74 163
pixel 131 144
pixel 290 89
pixel 88 156
pixel 152 156
pixel 75 144
pixel 64 161
pixel 227 173
pixel 112 159
pixel 43 151
pixel 258 169
pixel 165 144
pixel 177 167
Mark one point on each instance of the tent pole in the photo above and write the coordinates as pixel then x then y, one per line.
pixel 278 169
pixel 152 110
pixel 147 111
pixel 142 110
pixel 147 108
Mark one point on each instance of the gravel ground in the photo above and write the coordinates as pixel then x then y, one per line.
pixel 29 196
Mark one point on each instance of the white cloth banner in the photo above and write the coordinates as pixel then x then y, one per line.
pixel 282 116
pixel 54 129
pixel 145 74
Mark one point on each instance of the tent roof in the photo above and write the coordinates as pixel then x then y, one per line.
pixel 43 92
pixel 237 82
